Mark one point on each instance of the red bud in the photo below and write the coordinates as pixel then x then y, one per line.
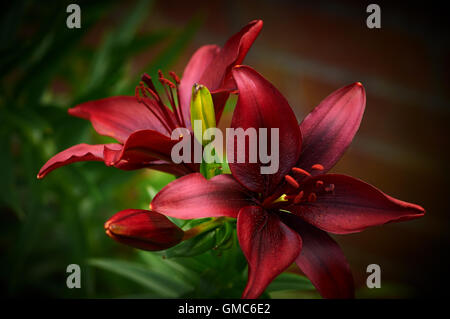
pixel 143 229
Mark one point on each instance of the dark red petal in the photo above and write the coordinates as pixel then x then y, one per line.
pixel 141 147
pixel 322 260
pixel 219 99
pixel 329 129
pixel 269 246
pixel 159 165
pixel 211 66
pixel 192 196
pixel 76 153
pixel 196 67
pixel 260 105
pixel 352 206
pixel 233 53
pixel 119 116
pixel 143 229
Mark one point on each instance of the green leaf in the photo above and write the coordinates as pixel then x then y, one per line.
pixel 160 283
pixel 290 281
pixel 129 27
pixel 194 246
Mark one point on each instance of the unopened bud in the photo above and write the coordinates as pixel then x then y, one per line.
pixel 143 229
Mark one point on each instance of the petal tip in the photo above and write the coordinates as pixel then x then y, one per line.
pixel 358 87
pixel 74 111
pixel 258 22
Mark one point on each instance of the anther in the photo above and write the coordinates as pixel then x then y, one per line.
pixel 312 197
pixel 300 171
pixel 298 198
pixel 148 80
pixel 137 94
pixel 165 81
pixel 291 181
pixel 319 184
pixel 317 167
pixel 329 188
pixel 174 77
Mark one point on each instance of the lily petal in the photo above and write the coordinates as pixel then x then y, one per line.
pixel 233 53
pixel 196 67
pixel 141 147
pixel 329 129
pixel 322 260
pixel 120 116
pixel 210 66
pixel 76 153
pixel 261 105
pixel 159 165
pixel 193 196
pixel 352 206
pixel 269 246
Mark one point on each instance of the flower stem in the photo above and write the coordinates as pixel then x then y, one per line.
pixel 204 227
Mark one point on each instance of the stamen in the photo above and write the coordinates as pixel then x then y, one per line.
pixel 136 93
pixel 168 82
pixel 161 119
pixel 142 88
pixel 179 109
pixel 148 80
pixel 298 198
pixel 300 171
pixel 168 86
pixel 319 184
pixel 174 77
pixel 291 181
pixel 312 197
pixel 329 188
pixel 151 89
pixel 317 167
pixel 153 94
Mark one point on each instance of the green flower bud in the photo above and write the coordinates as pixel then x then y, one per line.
pixel 202 109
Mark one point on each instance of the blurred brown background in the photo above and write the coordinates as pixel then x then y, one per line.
pixel 310 48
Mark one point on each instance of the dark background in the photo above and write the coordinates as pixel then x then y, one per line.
pixel 306 48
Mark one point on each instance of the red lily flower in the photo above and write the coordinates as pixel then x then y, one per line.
pixel 143 229
pixel 142 124
pixel 284 217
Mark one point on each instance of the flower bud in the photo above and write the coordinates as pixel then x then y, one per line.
pixel 202 109
pixel 143 229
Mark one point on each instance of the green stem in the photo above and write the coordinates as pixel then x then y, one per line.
pixel 204 227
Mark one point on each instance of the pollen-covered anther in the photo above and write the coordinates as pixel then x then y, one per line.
pixel 300 171
pixel 298 197
pixel 137 93
pixel 312 197
pixel 291 181
pixel 317 167
pixel 329 188
pixel 167 82
pixel 174 77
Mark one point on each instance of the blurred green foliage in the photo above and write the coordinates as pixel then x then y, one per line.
pixel 48 224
